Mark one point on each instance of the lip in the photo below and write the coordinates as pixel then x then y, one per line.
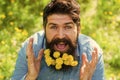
pixel 62 47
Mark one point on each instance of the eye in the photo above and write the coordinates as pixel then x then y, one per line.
pixel 68 27
pixel 53 27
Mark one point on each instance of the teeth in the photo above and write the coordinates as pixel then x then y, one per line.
pixel 61 43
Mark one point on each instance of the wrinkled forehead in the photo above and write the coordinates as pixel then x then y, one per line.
pixel 59 18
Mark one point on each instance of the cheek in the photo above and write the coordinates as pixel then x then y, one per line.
pixel 49 36
pixel 73 36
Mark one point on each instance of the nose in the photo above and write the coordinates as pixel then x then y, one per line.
pixel 61 34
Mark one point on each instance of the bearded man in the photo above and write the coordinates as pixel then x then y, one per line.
pixel 60 51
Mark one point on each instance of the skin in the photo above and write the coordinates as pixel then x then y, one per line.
pixel 60 26
pixel 33 63
pixel 87 69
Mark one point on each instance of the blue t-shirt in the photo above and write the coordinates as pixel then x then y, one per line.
pixel 85 45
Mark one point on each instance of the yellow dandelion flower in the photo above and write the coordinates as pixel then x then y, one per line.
pixel 46 56
pixel 48 61
pixel 58 66
pixel 17 29
pixel 70 58
pixel 10 13
pixel 64 57
pixel 114 22
pixel 74 63
pixel 24 32
pixel 66 62
pixel 52 62
pixel 47 52
pixel 41 13
pixel 110 13
pixel 59 61
pixel 93 35
pixel 3 42
pixel 11 23
pixel 1 77
pixel 56 54
pixel 3 16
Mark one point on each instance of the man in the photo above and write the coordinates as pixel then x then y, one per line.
pixel 61 34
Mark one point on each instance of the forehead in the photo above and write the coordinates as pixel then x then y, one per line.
pixel 59 18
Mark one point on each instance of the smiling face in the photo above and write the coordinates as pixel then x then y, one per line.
pixel 61 32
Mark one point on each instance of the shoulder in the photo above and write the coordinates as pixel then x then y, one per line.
pixel 84 40
pixel 87 43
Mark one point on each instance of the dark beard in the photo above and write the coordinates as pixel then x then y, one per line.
pixel 70 51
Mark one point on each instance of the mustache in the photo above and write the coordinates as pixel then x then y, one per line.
pixel 65 41
pixel 57 41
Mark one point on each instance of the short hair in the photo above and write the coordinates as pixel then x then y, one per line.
pixel 69 7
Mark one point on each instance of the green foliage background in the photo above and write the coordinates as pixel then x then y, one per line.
pixel 19 19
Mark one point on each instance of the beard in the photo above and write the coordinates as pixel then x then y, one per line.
pixel 70 51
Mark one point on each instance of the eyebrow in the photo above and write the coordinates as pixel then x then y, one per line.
pixel 64 24
pixel 52 24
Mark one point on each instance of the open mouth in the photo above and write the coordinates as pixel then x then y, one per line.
pixel 61 46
